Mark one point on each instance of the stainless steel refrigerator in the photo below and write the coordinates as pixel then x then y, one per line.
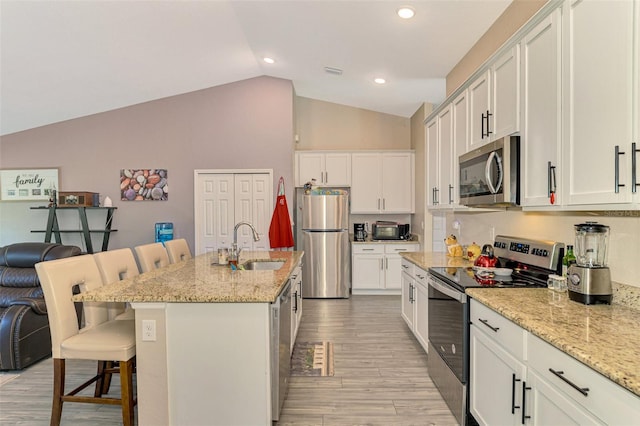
pixel 326 270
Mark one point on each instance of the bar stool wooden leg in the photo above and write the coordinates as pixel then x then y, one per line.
pixel 126 389
pixel 58 390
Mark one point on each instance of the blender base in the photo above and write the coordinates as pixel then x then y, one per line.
pixel 590 299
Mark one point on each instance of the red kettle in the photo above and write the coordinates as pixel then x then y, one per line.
pixel 486 258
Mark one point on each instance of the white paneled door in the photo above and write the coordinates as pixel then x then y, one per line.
pixel 224 198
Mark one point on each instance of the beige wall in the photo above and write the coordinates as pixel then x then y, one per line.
pixel 324 125
pixel 243 125
pixel 514 17
pixel 421 221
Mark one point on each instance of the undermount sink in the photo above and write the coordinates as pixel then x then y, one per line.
pixel 263 265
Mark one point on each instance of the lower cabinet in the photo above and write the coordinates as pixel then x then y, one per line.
pixel 517 378
pixel 415 297
pixel 296 303
pixel 375 267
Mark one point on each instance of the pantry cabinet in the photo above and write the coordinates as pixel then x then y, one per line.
pixel 382 182
pixel 601 83
pixel 541 130
pixel 327 168
pixel 376 267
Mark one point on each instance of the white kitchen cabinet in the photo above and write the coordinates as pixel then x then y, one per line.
pixel 327 168
pixel 408 308
pixel 549 406
pixel 497 370
pixel 494 99
pixel 224 199
pixel 600 400
pixel 600 82
pixel 415 297
pixel 382 182
pixel 376 267
pixel 479 106
pixel 460 111
pixel 296 303
pixel 541 129
pixel 518 378
pixel 367 267
pixel 433 163
pixel 442 160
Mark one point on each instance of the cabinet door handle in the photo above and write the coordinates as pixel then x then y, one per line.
pixel 384 204
pixel 326 177
pixel 482 123
pixel 411 293
pixel 618 153
pixel 378 203
pixel 560 374
pixel 513 394
pixel 295 302
pixel 405 266
pixel 634 168
pixel 420 276
pixel 381 264
pixel 486 322
pixel 525 388
pixel 450 192
pixel 551 182
pixel 437 196
pixel 367 249
pixel 488 126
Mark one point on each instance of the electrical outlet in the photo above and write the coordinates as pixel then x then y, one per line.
pixel 148 330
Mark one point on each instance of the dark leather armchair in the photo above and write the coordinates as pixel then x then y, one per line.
pixel 24 325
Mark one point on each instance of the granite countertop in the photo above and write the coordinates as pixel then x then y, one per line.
pixel 604 337
pixel 197 280
pixel 428 259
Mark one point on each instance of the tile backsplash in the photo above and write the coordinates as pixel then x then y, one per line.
pixel 481 227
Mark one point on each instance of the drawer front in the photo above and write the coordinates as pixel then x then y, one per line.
pixel 507 334
pixel 607 400
pixel 421 276
pixel 367 248
pixel 407 267
pixel 399 248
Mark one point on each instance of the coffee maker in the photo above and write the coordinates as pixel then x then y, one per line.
pixel 359 232
pixel 589 278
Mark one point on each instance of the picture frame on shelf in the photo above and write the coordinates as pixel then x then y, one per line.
pixel 28 184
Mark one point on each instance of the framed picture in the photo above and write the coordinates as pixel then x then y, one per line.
pixel 28 184
pixel 144 185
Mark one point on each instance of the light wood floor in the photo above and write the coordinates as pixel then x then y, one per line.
pixel 380 369
pixel 380 375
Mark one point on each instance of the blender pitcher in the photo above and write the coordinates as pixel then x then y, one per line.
pixel 591 243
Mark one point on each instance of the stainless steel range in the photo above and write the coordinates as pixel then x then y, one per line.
pixel 531 261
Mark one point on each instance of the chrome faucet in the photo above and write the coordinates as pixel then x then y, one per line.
pixel 256 237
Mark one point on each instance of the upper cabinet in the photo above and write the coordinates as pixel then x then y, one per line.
pixel 541 180
pixel 600 87
pixel 327 168
pixel 495 100
pixel 382 182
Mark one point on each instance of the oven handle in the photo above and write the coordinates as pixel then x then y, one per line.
pixel 443 288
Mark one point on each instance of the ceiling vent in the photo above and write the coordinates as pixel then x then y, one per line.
pixel 331 70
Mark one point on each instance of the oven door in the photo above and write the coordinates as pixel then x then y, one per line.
pixel 448 326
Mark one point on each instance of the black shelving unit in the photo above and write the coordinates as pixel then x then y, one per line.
pixel 53 230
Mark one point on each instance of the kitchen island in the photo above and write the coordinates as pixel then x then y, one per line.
pixel 203 338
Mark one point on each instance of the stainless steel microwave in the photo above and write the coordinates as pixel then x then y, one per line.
pixel 490 175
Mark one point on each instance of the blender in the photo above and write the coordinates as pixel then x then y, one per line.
pixel 589 278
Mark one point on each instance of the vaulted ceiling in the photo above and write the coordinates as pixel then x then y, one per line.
pixel 66 59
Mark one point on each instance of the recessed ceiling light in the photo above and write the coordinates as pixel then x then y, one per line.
pixel 406 12
pixel 269 60
pixel 333 70
pixel 380 80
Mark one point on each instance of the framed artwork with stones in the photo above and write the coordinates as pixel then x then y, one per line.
pixel 144 185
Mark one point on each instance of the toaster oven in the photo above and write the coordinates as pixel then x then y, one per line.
pixel 390 231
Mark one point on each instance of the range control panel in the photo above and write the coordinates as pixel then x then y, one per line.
pixel 545 254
